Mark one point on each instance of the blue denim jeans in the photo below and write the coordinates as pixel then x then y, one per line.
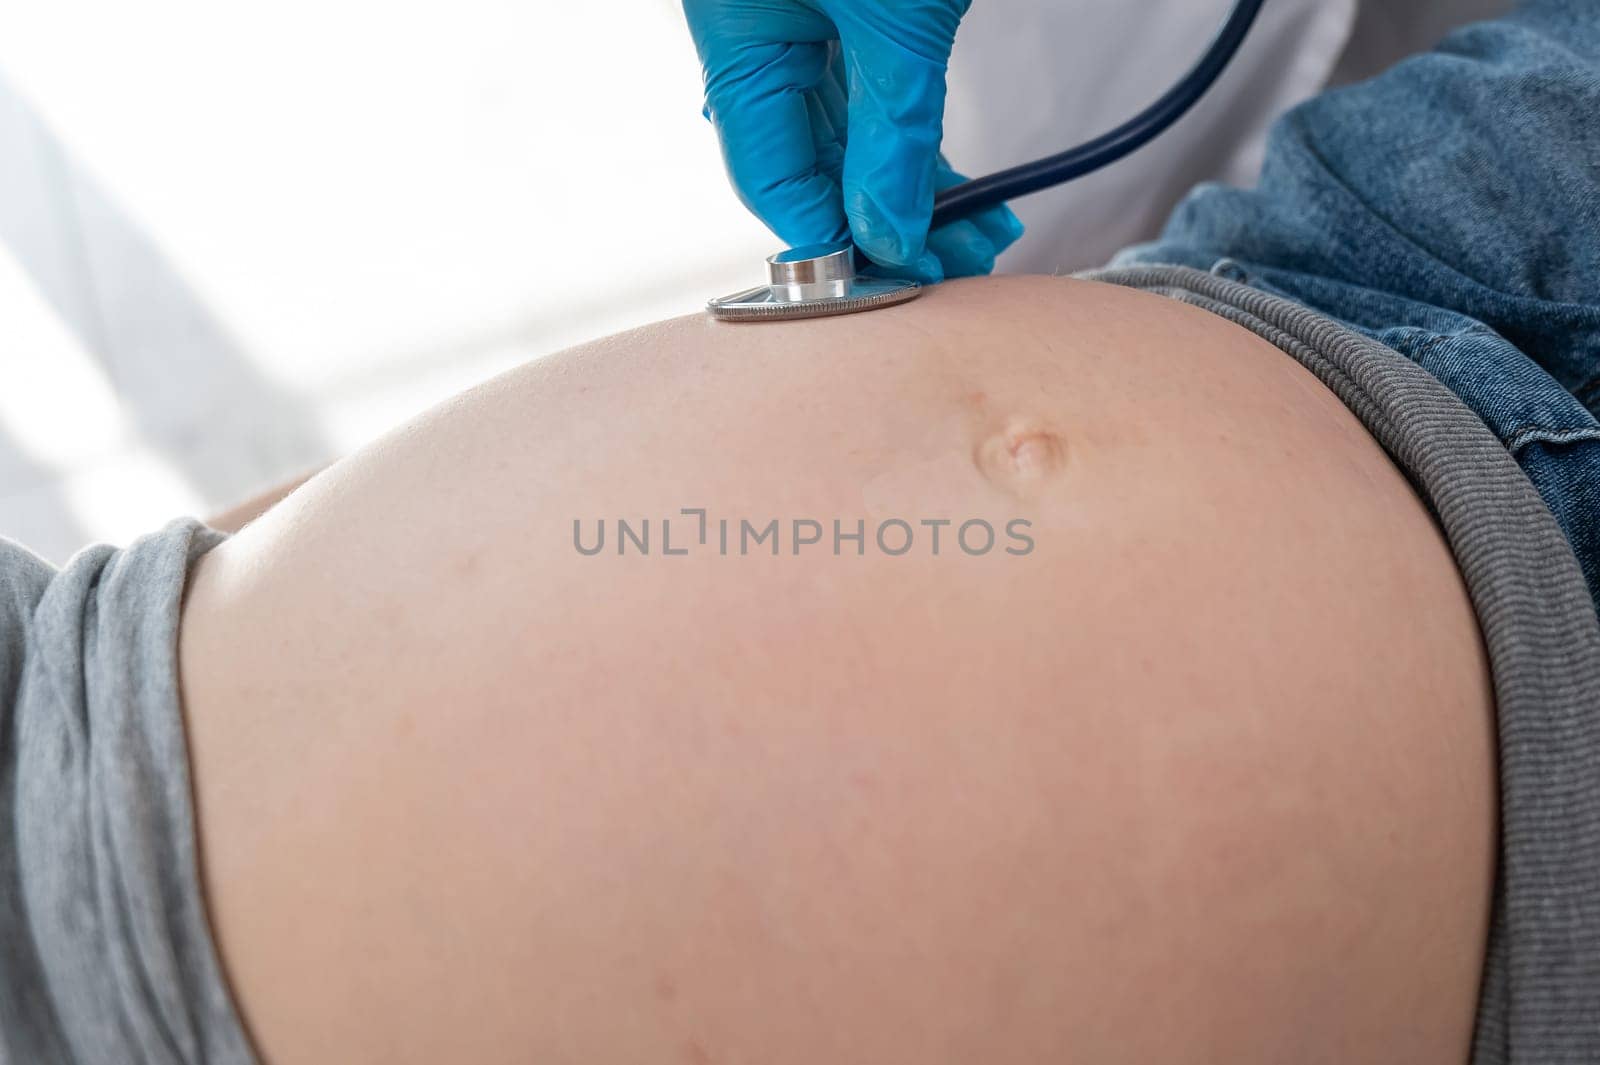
pixel 1449 208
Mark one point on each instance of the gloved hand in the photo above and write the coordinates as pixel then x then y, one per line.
pixel 830 114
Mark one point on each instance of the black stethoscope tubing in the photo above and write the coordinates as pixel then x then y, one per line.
pixel 969 197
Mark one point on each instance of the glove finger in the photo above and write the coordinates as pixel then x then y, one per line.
pixel 963 249
pixel 896 119
pixel 826 105
pixel 825 136
pixel 831 92
pixel 763 120
pixel 927 269
pixel 999 226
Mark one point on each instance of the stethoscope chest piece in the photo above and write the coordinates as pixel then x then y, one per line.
pixel 812 282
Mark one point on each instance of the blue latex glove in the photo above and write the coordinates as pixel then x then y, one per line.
pixel 830 114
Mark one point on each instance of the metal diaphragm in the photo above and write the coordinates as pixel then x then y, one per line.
pixel 812 282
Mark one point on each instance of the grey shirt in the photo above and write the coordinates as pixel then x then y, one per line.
pixel 105 954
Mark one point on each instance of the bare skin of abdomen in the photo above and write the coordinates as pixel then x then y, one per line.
pixel 1204 775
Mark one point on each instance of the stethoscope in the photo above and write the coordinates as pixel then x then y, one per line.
pixel 821 280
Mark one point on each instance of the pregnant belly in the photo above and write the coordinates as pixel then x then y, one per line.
pixel 1041 671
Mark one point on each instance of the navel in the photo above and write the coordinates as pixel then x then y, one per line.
pixel 1023 457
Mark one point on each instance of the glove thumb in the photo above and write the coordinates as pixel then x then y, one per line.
pixel 895 124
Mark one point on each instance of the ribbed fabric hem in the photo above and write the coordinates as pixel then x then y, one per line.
pixel 1539 1001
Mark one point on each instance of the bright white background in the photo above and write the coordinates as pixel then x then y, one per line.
pixel 237 240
